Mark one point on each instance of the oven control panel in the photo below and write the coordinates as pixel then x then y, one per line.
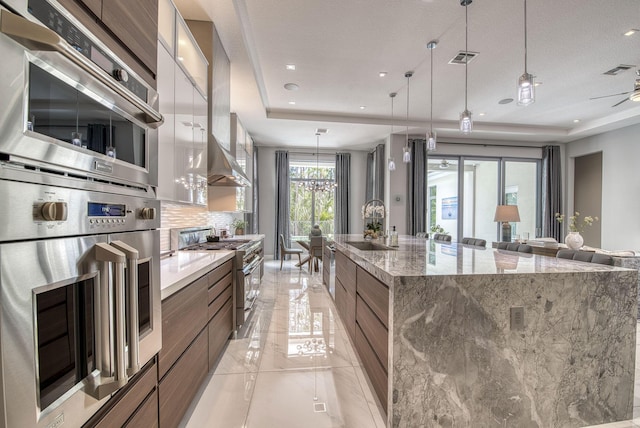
pixel 58 22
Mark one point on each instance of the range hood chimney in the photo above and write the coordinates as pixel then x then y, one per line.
pixel 223 169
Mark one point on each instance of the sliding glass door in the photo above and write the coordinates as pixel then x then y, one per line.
pixel 463 193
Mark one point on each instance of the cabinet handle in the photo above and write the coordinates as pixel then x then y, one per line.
pixel 36 37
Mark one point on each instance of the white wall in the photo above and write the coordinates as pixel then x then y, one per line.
pixel 620 149
pixel 267 192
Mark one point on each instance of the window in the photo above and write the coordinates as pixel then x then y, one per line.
pixel 306 207
pixel 486 182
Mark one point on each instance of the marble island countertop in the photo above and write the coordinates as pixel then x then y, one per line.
pixel 424 257
pixel 460 355
pixel 184 267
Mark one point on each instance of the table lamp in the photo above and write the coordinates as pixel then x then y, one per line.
pixel 505 214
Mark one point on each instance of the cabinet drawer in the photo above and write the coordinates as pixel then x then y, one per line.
pixel 375 293
pixel 184 315
pixel 348 308
pixel 215 288
pixel 377 373
pixel 147 415
pixel 220 272
pixel 130 399
pixel 220 328
pixel 182 382
pixel 376 333
pixel 346 271
pixel 221 300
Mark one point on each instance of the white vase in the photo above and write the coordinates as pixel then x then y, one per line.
pixel 574 240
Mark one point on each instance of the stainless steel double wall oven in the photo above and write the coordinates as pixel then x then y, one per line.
pixel 79 239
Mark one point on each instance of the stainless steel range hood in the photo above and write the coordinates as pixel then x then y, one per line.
pixel 223 169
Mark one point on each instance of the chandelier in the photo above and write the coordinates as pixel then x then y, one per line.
pixel 317 184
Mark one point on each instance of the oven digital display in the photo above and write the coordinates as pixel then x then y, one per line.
pixel 97 209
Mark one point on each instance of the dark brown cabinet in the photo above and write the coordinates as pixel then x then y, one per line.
pixel 181 383
pixel 197 322
pixel 135 24
pixel 184 315
pixel 346 292
pixel 128 28
pixel 362 301
pixel 136 405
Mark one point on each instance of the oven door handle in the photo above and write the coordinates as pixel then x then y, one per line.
pixel 36 37
pixel 255 263
pixel 132 320
pixel 110 255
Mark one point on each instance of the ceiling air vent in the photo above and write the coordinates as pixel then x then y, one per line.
pixel 619 69
pixel 463 56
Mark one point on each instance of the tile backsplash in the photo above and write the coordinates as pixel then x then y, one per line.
pixel 176 215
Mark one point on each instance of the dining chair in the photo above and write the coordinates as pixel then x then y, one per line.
pixel 284 250
pixel 442 237
pixel 316 244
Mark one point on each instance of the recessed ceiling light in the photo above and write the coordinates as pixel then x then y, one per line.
pixel 291 87
pixel 576 120
pixel 291 67
pixel 363 107
pixel 505 101
pixel 631 32
pixel 292 103
pixel 481 114
pixel 382 73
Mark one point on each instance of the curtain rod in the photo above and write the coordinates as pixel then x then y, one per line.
pixel 314 153
pixel 491 145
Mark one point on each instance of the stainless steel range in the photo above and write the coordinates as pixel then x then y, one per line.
pixel 248 263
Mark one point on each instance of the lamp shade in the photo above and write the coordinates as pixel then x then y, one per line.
pixel 507 213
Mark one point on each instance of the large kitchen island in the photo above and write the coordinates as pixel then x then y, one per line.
pixel 454 335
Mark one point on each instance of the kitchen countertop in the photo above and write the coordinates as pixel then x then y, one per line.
pixel 183 267
pixel 458 354
pixel 417 257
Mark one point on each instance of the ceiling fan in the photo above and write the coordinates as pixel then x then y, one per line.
pixel 634 95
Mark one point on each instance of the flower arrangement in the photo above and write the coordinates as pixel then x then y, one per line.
pixel 372 211
pixel 575 225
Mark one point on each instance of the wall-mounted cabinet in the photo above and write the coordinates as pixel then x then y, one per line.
pixel 182 140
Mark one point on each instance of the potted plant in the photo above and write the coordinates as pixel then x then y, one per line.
pixel 239 226
pixel 574 240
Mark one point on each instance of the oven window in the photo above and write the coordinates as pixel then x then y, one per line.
pixel 65 338
pixel 60 111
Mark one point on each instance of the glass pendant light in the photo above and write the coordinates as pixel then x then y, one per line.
pixel 406 152
pixel 466 122
pixel 392 161
pixel 431 135
pixel 525 82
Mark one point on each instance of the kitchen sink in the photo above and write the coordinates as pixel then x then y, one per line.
pixel 370 246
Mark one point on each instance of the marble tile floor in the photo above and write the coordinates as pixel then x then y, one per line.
pixel 295 367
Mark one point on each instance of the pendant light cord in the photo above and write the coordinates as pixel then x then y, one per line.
pixel 407 130
pixel 525 36
pixel 431 107
pixel 466 53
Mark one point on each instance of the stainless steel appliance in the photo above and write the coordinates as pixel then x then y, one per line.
pixel 79 297
pixel 71 106
pixel 248 263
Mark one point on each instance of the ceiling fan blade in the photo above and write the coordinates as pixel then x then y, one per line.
pixel 612 95
pixel 617 104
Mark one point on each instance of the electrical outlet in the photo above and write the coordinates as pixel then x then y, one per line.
pixel 516 316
